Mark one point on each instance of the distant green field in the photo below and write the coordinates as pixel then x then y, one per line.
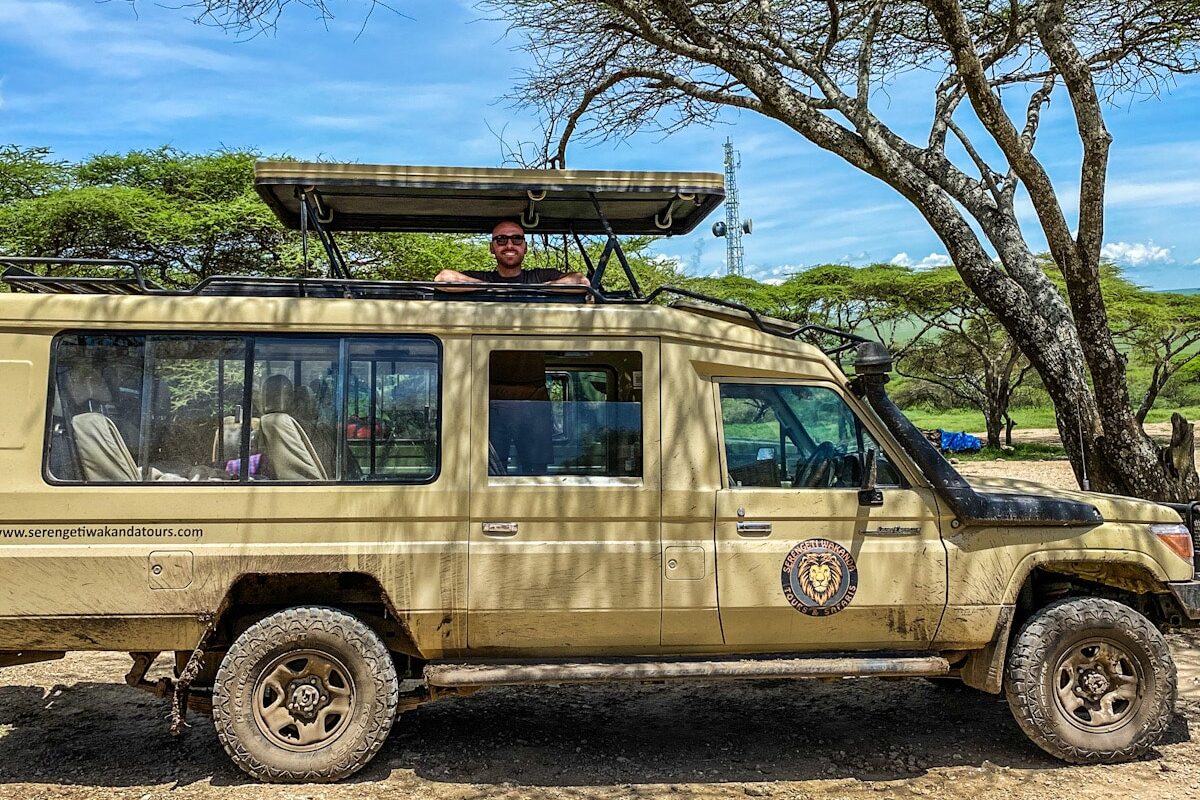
pixel 966 419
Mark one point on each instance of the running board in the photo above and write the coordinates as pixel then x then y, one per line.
pixel 522 674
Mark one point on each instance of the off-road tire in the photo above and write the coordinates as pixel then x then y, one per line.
pixel 1032 671
pixel 308 629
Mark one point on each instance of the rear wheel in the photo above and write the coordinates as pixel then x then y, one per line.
pixel 1091 681
pixel 307 694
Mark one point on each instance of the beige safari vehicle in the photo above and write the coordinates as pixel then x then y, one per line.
pixel 331 500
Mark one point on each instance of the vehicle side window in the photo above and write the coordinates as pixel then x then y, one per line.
pixel 195 387
pixel 565 413
pixel 96 408
pixel 392 410
pixel 141 409
pixel 795 436
pixel 296 381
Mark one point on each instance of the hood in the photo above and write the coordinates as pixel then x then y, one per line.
pixel 1114 507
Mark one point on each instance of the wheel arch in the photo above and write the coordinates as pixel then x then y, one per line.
pixel 1129 570
pixel 256 595
pixel 1128 576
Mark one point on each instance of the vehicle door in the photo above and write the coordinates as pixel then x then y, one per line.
pixel 564 546
pixel 801 562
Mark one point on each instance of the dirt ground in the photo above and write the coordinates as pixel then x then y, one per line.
pixel 72 729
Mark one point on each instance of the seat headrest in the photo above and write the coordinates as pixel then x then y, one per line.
pixel 84 383
pixel 277 394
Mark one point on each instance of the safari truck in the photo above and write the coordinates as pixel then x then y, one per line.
pixel 330 500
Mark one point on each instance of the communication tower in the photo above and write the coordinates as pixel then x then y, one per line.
pixel 733 227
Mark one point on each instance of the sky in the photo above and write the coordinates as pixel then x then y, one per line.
pixel 427 86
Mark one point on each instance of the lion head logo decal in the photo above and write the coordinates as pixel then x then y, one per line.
pixel 819 577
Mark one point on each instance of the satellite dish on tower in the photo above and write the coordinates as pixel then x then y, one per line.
pixel 719 229
pixel 748 226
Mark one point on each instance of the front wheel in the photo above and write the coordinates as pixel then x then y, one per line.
pixel 1091 681
pixel 307 694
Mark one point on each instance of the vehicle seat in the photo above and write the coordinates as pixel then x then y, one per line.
pixel 288 449
pixel 231 431
pixel 103 454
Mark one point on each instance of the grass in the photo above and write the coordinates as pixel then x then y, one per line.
pixel 968 419
pixel 1022 451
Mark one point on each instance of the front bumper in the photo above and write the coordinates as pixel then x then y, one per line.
pixel 1187 594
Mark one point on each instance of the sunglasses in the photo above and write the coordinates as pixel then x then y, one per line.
pixel 516 238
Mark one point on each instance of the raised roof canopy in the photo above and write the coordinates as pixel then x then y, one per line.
pixel 370 197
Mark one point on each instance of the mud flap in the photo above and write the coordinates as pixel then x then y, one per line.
pixel 984 669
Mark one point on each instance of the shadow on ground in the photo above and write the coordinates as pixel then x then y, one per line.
pixel 103 734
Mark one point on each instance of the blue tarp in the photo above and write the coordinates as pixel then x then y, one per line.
pixel 959 442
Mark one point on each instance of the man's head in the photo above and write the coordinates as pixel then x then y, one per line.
pixel 508 246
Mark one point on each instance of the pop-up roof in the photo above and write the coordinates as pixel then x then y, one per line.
pixel 367 197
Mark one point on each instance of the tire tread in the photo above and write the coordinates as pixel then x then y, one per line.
pixel 298 621
pixel 1031 653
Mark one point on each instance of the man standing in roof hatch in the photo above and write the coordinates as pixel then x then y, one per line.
pixel 509 248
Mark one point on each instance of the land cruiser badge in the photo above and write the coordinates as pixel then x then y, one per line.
pixel 819 577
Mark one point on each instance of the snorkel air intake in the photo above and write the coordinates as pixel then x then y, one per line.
pixel 872 364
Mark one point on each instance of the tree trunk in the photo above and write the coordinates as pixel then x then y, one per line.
pixel 1108 449
pixel 993 420
pixel 1157 381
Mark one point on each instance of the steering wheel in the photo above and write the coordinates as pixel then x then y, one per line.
pixel 818 470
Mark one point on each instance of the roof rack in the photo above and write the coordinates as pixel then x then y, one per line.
pixel 23 280
pixel 350 288
pixel 775 327
pixel 20 279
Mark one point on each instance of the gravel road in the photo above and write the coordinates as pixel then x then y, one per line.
pixel 72 729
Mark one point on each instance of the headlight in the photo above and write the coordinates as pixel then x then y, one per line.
pixel 1175 536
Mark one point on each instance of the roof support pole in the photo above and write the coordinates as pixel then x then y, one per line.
pixel 304 233
pixel 612 246
pixel 310 212
pixel 587 260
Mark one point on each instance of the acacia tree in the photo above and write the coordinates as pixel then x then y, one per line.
pixel 962 347
pixel 613 66
pixel 1163 330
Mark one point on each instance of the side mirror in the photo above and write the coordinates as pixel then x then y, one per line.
pixel 868 495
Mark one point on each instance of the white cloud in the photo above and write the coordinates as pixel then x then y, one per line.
pixel 108 43
pixel 1135 254
pixel 1197 261
pixel 1148 194
pixel 928 262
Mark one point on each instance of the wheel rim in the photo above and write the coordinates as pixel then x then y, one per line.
pixel 1098 685
pixel 303 700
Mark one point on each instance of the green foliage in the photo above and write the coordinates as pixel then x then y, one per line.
pixel 412 256
pixel 29 172
pixel 220 176
pixel 184 217
pixel 763 298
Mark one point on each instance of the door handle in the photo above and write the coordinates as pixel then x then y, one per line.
pixel 754 529
pixel 500 528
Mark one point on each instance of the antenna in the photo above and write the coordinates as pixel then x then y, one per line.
pixel 733 227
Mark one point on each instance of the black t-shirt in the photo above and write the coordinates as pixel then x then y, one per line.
pixel 538 275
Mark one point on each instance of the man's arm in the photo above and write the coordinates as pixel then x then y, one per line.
pixel 572 279
pixel 454 276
